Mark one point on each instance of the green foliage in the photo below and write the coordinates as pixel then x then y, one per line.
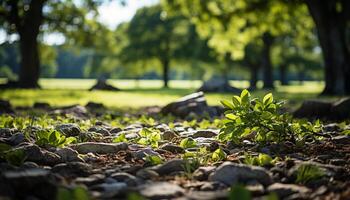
pixel 260 160
pixel 308 172
pixel 153 159
pixel 53 138
pixel 120 138
pixel 188 143
pixel 239 192
pixel 77 193
pixel 12 156
pixel 246 116
pixel 149 137
pixel 218 155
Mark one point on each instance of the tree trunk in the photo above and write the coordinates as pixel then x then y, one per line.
pixel 331 30
pixel 28 33
pixel 165 64
pixel 283 75
pixel 253 76
pixel 266 61
pixel 30 64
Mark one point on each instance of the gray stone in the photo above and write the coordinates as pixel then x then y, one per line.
pixel 26 183
pixel 140 154
pixel 313 108
pixel 284 190
pixel 232 173
pixel 91 180
pixel 99 147
pixel 68 155
pixel 341 109
pixel 129 179
pixel 172 148
pixel 147 174
pixel 205 133
pixel 17 139
pixel 72 169
pixel 161 190
pixel 175 165
pixel 69 129
pixel 169 135
pixel 202 173
pixel 218 85
pixel 115 130
pixel 162 127
pixel 74 110
pixel 342 139
pixel 207 195
pixel 99 129
pixel 41 156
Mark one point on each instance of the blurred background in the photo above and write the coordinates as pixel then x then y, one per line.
pixel 134 53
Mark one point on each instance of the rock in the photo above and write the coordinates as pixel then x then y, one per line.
pixel 68 155
pixel 205 133
pixel 5 107
pixel 218 85
pixel 338 161
pixel 341 109
pixel 16 139
pixel 129 179
pixel 207 195
pixel 147 174
pixel 161 190
pixel 115 130
pixel 256 189
pixel 175 165
pixel 163 127
pixel 35 183
pixel 29 165
pixel 341 139
pixel 94 106
pixel 110 189
pixel 102 84
pixel 69 129
pixel 72 169
pixel 91 180
pixel 75 110
pixel 212 186
pixel 333 127
pixel 140 154
pixel 101 148
pixel 41 105
pixel 99 129
pixel 284 190
pixel 169 135
pixel 172 148
pixel 232 173
pixel 35 154
pixel 193 103
pixel 5 132
pixel 313 109
pixel 202 173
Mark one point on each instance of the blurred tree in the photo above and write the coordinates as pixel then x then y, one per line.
pixel 30 18
pixel 230 25
pixel 332 19
pixel 156 37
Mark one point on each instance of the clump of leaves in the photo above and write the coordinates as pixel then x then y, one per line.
pixel 153 159
pixel 77 193
pixel 260 160
pixel 218 155
pixel 53 138
pixel 308 172
pixel 188 143
pixel 149 137
pixel 120 138
pixel 12 156
pixel 190 165
pixel 239 192
pixel 245 116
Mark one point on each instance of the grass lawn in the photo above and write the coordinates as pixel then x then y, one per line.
pixel 140 93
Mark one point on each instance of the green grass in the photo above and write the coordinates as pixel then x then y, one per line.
pixel 141 93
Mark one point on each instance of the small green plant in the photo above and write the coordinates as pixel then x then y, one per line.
pixel 12 156
pixel 153 159
pixel 188 143
pixel 149 137
pixel 52 138
pixel 239 192
pixel 218 155
pixel 308 172
pixel 190 165
pixel 77 193
pixel 245 116
pixel 260 160
pixel 120 138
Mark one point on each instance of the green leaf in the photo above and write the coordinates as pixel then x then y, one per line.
pixel 236 100
pixel 188 143
pixel 245 97
pixel 264 159
pixel 218 155
pixel 120 138
pixel 268 99
pixel 54 137
pixel 227 104
pixel 153 159
pixel 231 116
pixel 239 192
